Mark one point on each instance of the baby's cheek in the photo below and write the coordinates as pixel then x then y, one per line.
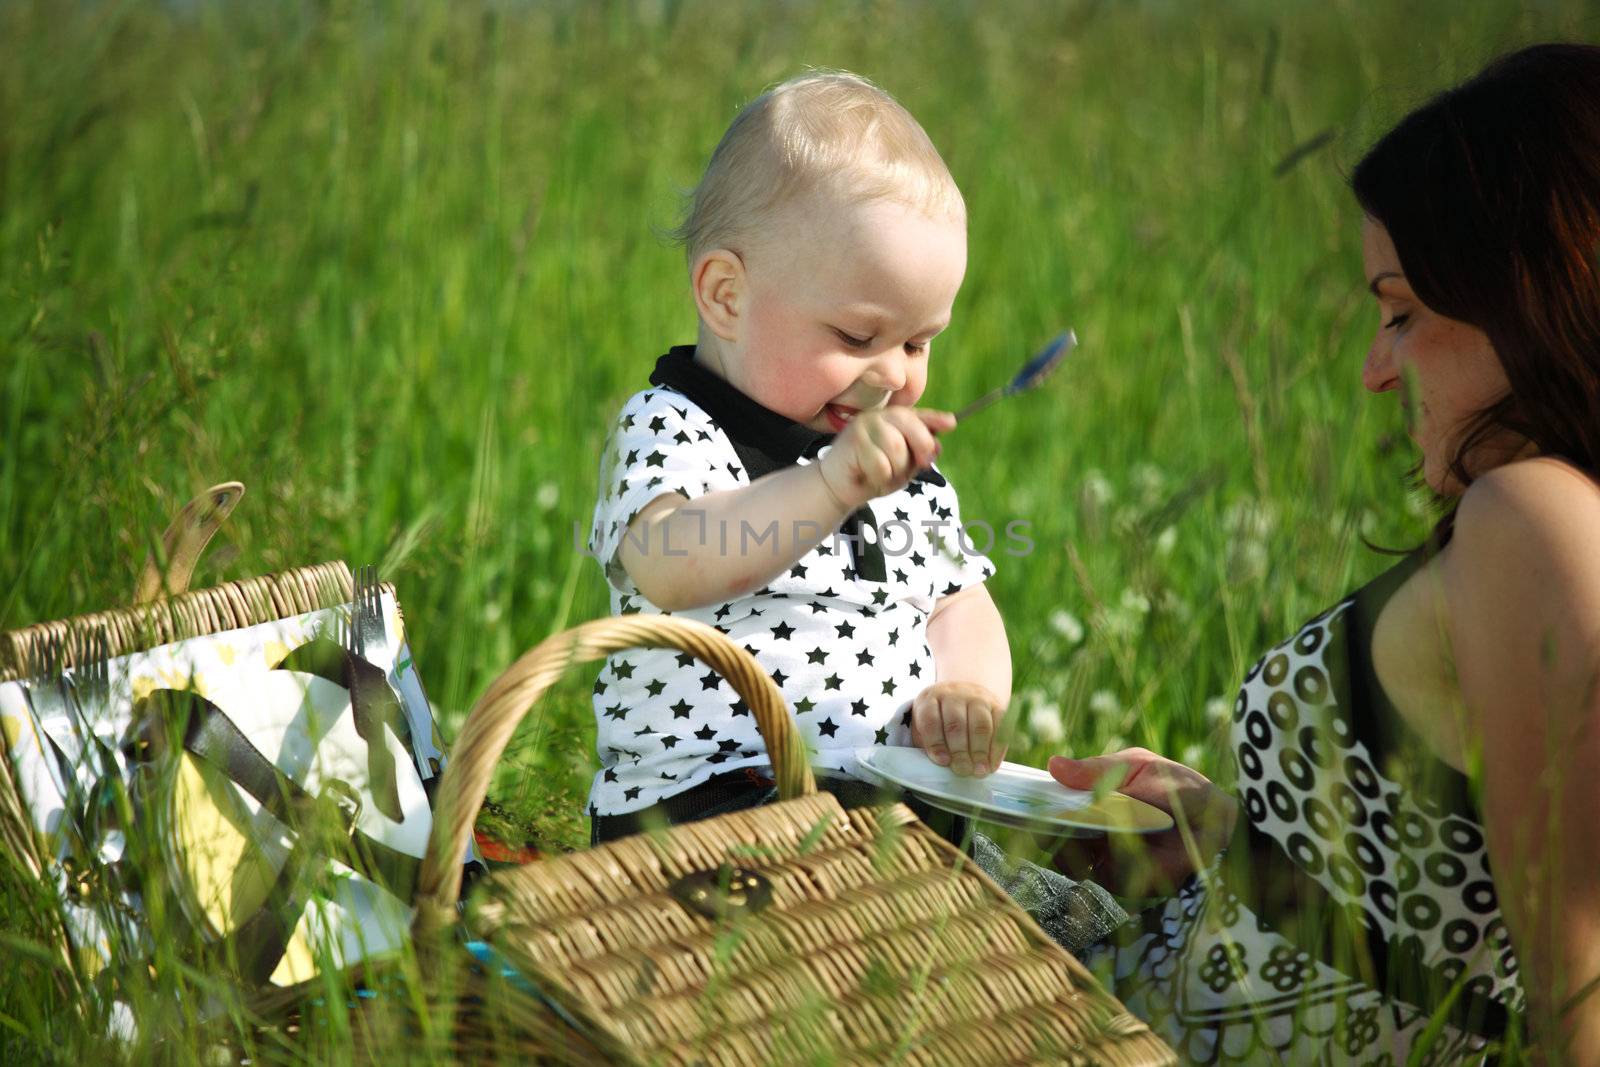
pixel 793 393
pixel 916 382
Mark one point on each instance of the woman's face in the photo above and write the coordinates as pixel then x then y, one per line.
pixel 1445 370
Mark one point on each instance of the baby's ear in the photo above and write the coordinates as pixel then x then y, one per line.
pixel 718 280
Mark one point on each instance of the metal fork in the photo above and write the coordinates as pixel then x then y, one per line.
pixel 372 702
pixel 371 630
pixel 80 860
pixel 89 683
pixel 95 684
pixel 107 807
pixel 48 677
pixel 94 667
pixel 369 594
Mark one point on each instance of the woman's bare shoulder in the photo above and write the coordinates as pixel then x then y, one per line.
pixel 1545 497
pixel 1521 582
pixel 1527 536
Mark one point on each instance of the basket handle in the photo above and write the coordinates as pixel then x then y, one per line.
pixel 493 719
pixel 191 530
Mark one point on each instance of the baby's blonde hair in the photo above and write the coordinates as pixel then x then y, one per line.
pixel 827 130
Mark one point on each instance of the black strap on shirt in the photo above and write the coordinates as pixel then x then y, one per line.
pixel 766 441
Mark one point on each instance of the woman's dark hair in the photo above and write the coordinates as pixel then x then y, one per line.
pixel 1491 193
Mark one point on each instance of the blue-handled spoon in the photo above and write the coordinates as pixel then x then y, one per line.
pixel 1032 373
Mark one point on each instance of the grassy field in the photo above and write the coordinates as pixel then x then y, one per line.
pixel 395 266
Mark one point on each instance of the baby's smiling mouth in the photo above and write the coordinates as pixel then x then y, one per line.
pixel 839 416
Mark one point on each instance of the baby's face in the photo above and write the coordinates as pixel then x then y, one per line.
pixel 843 309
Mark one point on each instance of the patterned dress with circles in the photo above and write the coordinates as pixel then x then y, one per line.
pixel 1355 897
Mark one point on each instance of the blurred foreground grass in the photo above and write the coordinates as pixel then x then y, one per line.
pixel 394 266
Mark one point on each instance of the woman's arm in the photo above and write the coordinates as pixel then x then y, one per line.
pixel 1521 580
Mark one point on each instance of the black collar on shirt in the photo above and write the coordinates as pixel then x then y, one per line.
pixel 764 440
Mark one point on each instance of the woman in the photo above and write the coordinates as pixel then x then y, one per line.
pixel 1414 859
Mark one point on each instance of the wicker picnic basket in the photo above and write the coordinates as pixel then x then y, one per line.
pixel 164 614
pixel 794 933
pixel 236 605
pixel 155 619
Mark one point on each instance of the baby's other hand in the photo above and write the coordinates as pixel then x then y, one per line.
pixel 880 451
pixel 958 725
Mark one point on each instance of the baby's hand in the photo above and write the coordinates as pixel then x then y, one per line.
pixel 958 725
pixel 880 451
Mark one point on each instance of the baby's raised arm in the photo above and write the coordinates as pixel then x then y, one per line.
pixel 686 554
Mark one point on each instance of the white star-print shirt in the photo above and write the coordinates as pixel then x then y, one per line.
pixel 848 654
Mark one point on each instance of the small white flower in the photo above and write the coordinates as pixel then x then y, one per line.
pixel 1044 722
pixel 546 496
pixel 1096 489
pixel 1191 756
pixel 1067 625
pixel 1166 541
pixel 1104 702
pixel 1174 606
pixel 1250 518
pixel 1247 560
pixel 1120 622
pixel 1219 710
pixel 1148 482
pixel 1126 618
pixel 1021 500
pixel 492 612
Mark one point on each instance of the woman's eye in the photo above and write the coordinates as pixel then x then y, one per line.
pixel 1398 320
pixel 852 340
pixel 916 348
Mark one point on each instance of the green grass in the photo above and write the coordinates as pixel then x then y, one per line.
pixel 394 266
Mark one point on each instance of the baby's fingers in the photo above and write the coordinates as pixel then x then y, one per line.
pixel 927 727
pixel 978 753
pixel 923 446
pixel 955 714
pixel 980 737
pixel 997 750
pixel 877 470
pixel 890 439
pixel 915 430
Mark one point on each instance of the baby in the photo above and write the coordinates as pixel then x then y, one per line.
pixel 778 481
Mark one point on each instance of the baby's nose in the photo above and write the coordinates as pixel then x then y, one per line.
pixel 889 371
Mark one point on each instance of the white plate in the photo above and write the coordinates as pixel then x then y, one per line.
pixel 1014 795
